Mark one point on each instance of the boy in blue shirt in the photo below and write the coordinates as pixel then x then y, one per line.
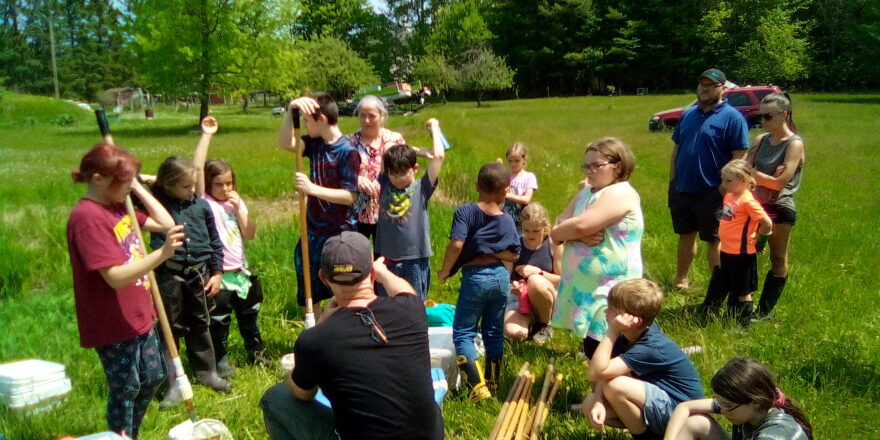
pixel 403 229
pixel 484 244
pixel 331 183
pixel 639 375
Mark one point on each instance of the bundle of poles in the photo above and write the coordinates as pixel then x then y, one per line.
pixel 522 416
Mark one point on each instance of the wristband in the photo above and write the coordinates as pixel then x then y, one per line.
pixel 762 241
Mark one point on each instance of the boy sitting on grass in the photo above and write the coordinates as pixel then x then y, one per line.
pixel 484 243
pixel 403 231
pixel 639 375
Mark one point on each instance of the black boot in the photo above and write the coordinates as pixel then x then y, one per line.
pixel 220 341
pixel 743 312
pixel 474 378
pixel 200 351
pixel 493 374
pixel 773 286
pixel 714 297
pixel 249 329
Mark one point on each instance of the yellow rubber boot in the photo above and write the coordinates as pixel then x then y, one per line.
pixel 473 376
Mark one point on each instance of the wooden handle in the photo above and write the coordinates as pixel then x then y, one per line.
pixel 303 225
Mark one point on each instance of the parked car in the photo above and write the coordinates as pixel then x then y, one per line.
pixel 746 99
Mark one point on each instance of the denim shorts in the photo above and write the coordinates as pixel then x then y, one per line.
pixel 658 408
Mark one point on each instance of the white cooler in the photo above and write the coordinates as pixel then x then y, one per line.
pixel 443 353
pixel 33 385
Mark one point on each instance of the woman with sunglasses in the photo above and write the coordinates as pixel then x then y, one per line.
pixel 602 230
pixel 778 158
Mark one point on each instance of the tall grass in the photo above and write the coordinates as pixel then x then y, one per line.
pixel 823 341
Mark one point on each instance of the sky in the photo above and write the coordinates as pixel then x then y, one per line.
pixel 377 5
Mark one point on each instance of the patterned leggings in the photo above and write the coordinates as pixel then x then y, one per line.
pixel 134 369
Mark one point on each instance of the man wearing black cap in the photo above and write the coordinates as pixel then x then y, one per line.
pixel 709 135
pixel 368 354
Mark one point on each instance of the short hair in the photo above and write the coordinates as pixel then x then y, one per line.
pixel 517 148
pixel 535 212
pixel 214 168
pixel 327 106
pixel 377 103
pixel 109 161
pixel 739 169
pixel 616 151
pixel 638 297
pixel 398 159
pixel 493 177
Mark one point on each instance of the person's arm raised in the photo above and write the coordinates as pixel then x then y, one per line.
pixel 439 154
pixel 392 283
pixel 305 105
pixel 209 127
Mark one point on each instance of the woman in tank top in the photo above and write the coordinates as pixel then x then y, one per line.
pixel 778 157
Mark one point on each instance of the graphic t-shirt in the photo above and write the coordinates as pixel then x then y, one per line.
pixel 403 230
pixel 226 223
pixel 100 236
pixel 740 217
pixel 519 185
pixel 367 207
pixel 331 166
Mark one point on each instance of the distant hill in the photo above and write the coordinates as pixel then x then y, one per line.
pixel 24 110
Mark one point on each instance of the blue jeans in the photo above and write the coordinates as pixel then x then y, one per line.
pixel 416 272
pixel 482 296
pixel 288 418
pixel 320 291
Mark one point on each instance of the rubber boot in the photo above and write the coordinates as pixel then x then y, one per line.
pixel 172 396
pixel 493 374
pixel 743 312
pixel 714 297
pixel 249 329
pixel 474 378
pixel 220 341
pixel 200 351
pixel 773 287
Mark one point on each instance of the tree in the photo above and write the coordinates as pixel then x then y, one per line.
pixel 483 71
pixel 777 54
pixel 435 70
pixel 333 67
pixel 198 47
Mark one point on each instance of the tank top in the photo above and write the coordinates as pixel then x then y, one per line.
pixel 767 159
pixel 541 258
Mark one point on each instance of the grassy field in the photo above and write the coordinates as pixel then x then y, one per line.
pixel 824 342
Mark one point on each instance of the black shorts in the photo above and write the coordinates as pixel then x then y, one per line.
pixel 695 213
pixel 781 215
pixel 739 273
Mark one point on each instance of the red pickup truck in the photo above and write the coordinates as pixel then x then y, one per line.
pixel 746 99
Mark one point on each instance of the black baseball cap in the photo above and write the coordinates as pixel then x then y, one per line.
pixel 715 75
pixel 347 258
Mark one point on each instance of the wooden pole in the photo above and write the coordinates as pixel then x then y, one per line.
pixel 520 404
pixel 543 416
pixel 303 224
pixel 510 396
pixel 511 408
pixel 542 399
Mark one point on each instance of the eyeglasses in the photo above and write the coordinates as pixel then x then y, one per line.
pixel 709 85
pixel 593 167
pixel 376 331
pixel 726 408
pixel 769 116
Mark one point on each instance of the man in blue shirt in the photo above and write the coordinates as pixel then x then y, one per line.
pixel 710 134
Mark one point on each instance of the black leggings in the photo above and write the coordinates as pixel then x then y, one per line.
pixel 590 346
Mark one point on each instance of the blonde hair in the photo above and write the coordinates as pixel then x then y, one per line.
pixel 741 170
pixel 616 151
pixel 535 212
pixel 638 297
pixel 518 148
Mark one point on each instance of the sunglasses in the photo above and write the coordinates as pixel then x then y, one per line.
pixel 376 331
pixel 769 116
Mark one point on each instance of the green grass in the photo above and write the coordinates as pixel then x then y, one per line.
pixel 823 343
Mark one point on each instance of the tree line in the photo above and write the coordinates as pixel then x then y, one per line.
pixel 525 48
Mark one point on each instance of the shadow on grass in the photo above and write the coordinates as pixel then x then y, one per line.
pixel 159 132
pixel 840 371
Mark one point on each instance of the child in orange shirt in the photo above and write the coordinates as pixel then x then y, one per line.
pixel 742 218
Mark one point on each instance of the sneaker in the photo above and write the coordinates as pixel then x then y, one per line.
pixel 543 335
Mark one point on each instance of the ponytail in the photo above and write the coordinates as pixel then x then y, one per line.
pixel 783 102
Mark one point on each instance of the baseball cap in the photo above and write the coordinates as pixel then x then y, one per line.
pixel 715 75
pixel 347 258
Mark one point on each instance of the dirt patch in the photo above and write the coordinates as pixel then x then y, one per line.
pixel 280 209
